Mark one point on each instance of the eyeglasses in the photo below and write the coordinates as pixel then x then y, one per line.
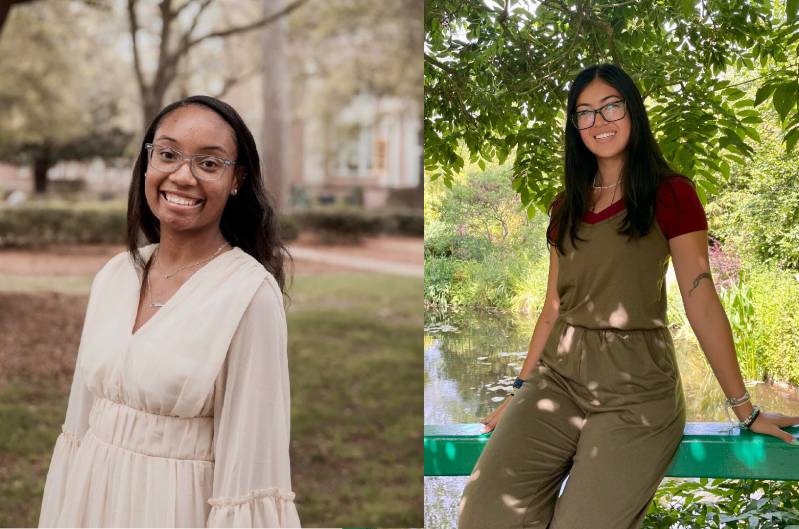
pixel 202 166
pixel 584 119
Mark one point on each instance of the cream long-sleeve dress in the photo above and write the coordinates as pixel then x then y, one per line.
pixel 184 423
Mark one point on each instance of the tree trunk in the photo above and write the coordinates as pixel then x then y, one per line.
pixel 277 118
pixel 41 164
pixel 153 101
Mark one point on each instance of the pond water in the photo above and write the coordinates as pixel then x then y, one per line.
pixel 472 358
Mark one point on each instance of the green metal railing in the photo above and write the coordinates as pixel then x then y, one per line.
pixel 708 449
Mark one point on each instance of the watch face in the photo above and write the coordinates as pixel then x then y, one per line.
pixel 518 383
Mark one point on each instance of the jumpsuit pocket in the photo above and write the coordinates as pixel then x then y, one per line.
pixel 644 354
pixel 658 348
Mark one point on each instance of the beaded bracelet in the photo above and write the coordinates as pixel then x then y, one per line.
pixel 737 401
pixel 749 420
pixel 733 402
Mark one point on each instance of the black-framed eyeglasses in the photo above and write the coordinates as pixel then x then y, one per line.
pixel 202 166
pixel 613 111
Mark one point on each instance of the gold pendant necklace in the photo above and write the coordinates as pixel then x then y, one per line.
pixel 158 305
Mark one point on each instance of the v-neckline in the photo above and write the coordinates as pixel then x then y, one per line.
pixel 169 302
pixel 605 213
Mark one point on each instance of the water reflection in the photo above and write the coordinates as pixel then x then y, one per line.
pixel 472 358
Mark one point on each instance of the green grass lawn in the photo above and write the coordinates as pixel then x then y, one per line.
pixel 356 382
pixel 355 360
pixel 31 413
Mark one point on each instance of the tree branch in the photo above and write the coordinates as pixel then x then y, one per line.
pixel 186 4
pixel 134 28
pixel 187 36
pixel 611 44
pixel 455 85
pixel 173 58
pixel 231 81
pixel 241 29
pixel 557 5
pixel 438 64
pixel 165 68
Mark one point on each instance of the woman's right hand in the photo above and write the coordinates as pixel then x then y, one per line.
pixel 492 419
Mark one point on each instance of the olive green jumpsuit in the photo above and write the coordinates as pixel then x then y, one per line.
pixel 604 404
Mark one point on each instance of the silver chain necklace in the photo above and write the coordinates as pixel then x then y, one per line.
pixel 605 187
pixel 158 305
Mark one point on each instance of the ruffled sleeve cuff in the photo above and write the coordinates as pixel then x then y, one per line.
pixel 271 507
pixel 64 453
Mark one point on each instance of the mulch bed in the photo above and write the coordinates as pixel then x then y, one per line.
pixel 39 334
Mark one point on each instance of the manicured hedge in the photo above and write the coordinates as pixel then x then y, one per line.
pixel 346 224
pixel 38 225
pixel 34 225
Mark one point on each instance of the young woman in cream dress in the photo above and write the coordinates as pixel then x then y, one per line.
pixel 178 415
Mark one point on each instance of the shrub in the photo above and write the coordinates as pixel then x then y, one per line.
pixel 439 240
pixel 775 298
pixel 530 287
pixel 724 504
pixel 349 225
pixel 37 224
pixel 438 277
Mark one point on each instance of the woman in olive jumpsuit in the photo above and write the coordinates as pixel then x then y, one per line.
pixel 604 403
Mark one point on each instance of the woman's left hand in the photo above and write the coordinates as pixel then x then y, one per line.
pixel 770 424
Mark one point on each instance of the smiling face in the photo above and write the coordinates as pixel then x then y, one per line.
pixel 180 201
pixel 604 139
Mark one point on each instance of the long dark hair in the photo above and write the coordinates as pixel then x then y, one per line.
pixel 249 220
pixel 644 168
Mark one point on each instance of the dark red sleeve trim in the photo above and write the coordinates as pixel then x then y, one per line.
pixel 678 209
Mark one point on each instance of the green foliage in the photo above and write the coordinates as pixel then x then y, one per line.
pixel 438 280
pixel 439 240
pixel 759 212
pixel 724 504
pixel 737 302
pixel 529 288
pixel 489 283
pixel 479 244
pixel 775 296
pixel 497 75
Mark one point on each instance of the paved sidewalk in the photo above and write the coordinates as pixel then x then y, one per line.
pixel 383 254
pixel 357 262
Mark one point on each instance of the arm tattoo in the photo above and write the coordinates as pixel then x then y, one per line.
pixel 698 279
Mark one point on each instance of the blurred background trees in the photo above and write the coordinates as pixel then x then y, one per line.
pixel 337 123
pixel 53 108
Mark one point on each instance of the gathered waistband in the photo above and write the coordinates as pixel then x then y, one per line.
pixel 152 434
pixel 587 327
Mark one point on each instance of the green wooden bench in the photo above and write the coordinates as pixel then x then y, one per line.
pixel 708 450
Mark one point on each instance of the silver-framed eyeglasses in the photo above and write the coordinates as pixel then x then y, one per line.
pixel 613 111
pixel 202 166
